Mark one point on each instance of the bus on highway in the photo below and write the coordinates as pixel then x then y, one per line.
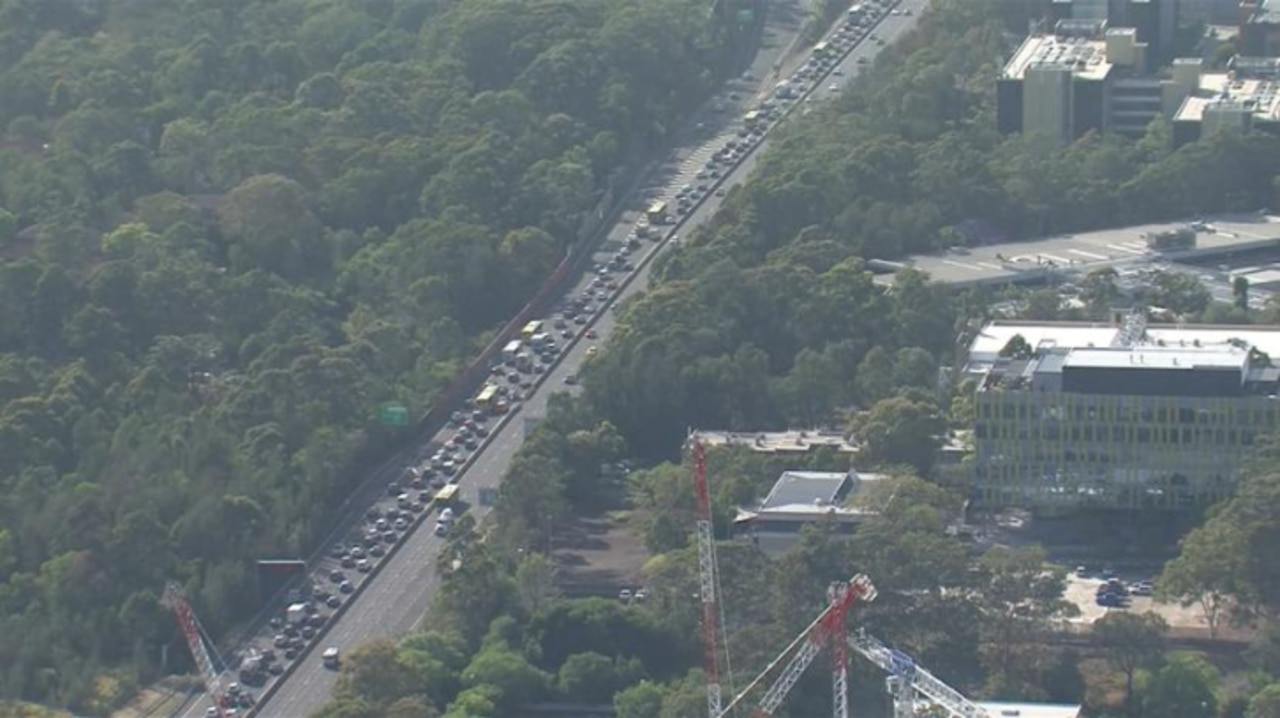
pixel 657 213
pixel 821 49
pixel 533 327
pixel 487 395
pixel 446 495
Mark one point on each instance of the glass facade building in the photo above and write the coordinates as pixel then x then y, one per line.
pixel 1130 425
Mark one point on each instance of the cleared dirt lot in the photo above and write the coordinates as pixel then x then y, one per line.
pixel 598 555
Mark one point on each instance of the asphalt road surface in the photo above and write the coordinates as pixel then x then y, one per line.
pixel 396 598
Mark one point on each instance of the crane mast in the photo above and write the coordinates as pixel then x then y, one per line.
pixel 839 655
pixel 175 599
pixel 707 580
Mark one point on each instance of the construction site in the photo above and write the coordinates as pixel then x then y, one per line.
pixel 914 691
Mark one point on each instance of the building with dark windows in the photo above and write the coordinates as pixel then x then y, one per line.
pixel 1125 415
pixel 1154 21
pixel 1056 84
pixel 1259 28
pixel 1101 67
pixel 1086 76
pixel 1208 12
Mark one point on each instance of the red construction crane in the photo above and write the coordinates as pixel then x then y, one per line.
pixel 827 630
pixel 842 595
pixel 707 580
pixel 175 599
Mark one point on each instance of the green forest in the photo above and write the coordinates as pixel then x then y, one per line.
pixel 229 231
pixel 767 317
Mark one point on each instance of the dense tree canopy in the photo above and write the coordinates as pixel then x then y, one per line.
pixel 768 317
pixel 229 230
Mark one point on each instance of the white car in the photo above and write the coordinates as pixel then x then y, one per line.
pixel 444 522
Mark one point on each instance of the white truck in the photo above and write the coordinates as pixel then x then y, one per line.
pixel 512 349
pixel 296 613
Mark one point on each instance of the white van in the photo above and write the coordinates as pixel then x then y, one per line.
pixel 444 522
pixel 330 657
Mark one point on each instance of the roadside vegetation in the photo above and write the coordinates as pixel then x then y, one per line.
pixel 229 231
pixel 766 318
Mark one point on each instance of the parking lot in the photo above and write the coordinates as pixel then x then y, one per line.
pixel 1082 590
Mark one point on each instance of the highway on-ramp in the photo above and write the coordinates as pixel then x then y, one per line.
pixel 393 602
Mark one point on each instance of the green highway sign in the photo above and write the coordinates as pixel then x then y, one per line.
pixel 393 415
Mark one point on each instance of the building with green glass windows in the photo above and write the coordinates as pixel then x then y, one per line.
pixel 1124 415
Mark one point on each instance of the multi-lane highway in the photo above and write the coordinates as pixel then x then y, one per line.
pixel 397 595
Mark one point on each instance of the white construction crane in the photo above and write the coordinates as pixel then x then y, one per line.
pixel 709 580
pixel 908 682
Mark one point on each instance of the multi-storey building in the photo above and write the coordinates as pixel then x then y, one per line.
pixel 1087 76
pixel 1246 97
pixel 1155 21
pixel 1259 28
pixel 1072 415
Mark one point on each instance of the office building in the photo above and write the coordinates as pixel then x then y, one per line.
pixel 799 499
pixel 1124 415
pixel 1208 12
pixel 1056 84
pixel 1259 28
pixel 1085 76
pixel 1155 21
pixel 1245 98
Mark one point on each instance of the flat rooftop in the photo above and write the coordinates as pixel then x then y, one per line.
pixel 779 442
pixel 1259 97
pixel 1030 710
pixel 1035 260
pixel 1158 357
pixel 1086 57
pixel 1268 12
pixel 985 348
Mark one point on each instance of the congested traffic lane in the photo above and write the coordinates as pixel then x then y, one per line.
pixel 393 602
pixel 396 601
